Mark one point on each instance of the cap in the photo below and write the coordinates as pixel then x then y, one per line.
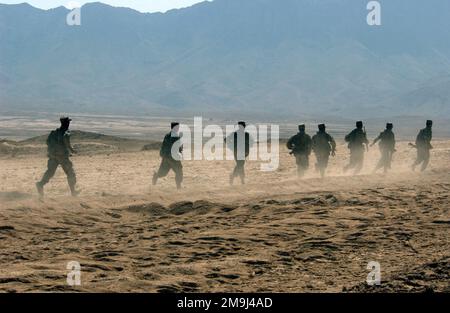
pixel 65 119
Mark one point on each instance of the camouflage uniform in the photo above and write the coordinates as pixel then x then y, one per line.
pixel 387 148
pixel 423 145
pixel 168 162
pixel 58 153
pixel 356 141
pixel 323 145
pixel 301 145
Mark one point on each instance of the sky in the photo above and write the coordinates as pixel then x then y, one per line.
pixel 140 5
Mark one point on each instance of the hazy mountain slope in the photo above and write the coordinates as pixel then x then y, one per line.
pixel 273 56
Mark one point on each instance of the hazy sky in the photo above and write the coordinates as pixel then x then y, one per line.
pixel 140 5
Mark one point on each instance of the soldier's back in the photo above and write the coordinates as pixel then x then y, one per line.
pixel 321 142
pixel 56 145
pixel 424 138
pixel 356 138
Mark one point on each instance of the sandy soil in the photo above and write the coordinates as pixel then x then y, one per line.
pixel 277 233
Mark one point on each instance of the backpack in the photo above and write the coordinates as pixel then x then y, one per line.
pixel 55 143
pixel 355 139
pixel 321 143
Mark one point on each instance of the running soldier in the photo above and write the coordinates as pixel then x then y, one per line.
pixel 59 150
pixel 300 146
pixel 323 145
pixel 171 160
pixel 356 141
pixel 387 148
pixel 423 146
pixel 240 142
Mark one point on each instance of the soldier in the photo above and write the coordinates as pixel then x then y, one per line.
pixel 169 161
pixel 356 139
pixel 387 148
pixel 323 144
pixel 301 145
pixel 240 142
pixel 423 146
pixel 59 150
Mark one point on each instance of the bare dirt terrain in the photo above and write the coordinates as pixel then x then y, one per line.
pixel 277 233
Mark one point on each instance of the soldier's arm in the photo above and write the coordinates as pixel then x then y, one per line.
pixel 419 137
pixel 309 144
pixel 349 136
pixel 165 143
pixel 377 139
pixel 67 143
pixel 290 144
pixel 313 142
pixel 333 143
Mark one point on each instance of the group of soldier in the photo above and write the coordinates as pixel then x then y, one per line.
pixel 323 145
pixel 301 145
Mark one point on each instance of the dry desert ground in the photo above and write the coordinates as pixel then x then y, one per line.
pixel 278 233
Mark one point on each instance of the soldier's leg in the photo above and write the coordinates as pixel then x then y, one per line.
pixel 426 159
pixel 322 161
pixel 317 165
pixel 298 161
pixel 359 162
pixel 388 162
pixel 163 170
pixel 67 166
pixel 177 167
pixel 303 164
pixel 381 161
pixel 419 158
pixel 236 171
pixel 385 161
pixel 241 170
pixel 52 165
pixel 352 161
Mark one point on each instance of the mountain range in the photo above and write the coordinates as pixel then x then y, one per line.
pixel 269 57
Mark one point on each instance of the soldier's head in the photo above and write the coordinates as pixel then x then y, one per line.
pixel 301 128
pixel 242 125
pixel 359 124
pixel 322 127
pixel 429 124
pixel 65 122
pixel 175 127
pixel 389 126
